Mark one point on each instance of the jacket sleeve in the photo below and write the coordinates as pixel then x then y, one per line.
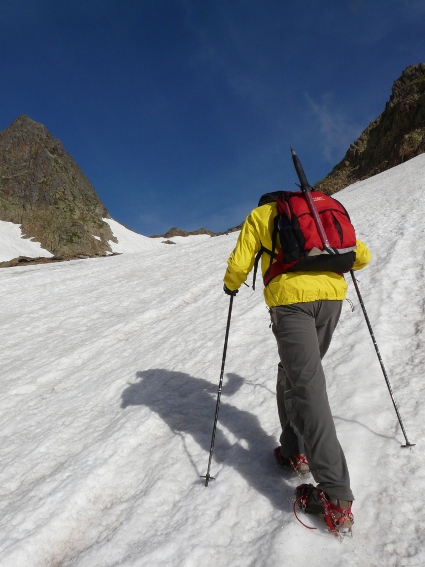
pixel 242 258
pixel 362 255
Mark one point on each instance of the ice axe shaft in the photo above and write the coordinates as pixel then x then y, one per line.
pixel 306 189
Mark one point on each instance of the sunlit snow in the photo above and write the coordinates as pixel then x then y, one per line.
pixel 129 241
pixel 110 369
pixel 12 243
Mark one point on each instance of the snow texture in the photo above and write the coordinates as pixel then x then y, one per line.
pixel 129 241
pixel 110 369
pixel 13 245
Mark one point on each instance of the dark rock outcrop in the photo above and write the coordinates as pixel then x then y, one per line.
pixel 43 189
pixel 229 230
pixel 25 260
pixel 395 137
pixel 178 232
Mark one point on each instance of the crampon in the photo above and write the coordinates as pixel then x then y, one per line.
pixel 335 513
pixel 298 463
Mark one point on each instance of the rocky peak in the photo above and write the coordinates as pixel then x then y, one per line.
pixel 408 87
pixel 396 136
pixel 43 189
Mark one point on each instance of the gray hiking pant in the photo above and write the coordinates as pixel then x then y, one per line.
pixel 303 332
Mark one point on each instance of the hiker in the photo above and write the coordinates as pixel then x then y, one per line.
pixel 304 308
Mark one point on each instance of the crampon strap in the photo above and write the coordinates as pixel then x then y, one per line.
pixel 329 509
pixel 306 490
pixel 297 460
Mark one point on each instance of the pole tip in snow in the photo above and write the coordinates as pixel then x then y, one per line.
pixel 207 478
pixel 408 445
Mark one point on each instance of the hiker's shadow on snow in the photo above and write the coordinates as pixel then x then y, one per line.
pixel 187 404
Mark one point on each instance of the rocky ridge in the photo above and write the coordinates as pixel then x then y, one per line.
pixel 25 260
pixel 44 190
pixel 396 136
pixel 179 232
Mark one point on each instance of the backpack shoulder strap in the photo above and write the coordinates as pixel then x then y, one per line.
pixel 281 198
pixel 274 238
pixel 269 197
pixel 257 261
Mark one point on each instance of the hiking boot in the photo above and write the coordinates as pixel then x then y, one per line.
pixel 297 462
pixel 335 513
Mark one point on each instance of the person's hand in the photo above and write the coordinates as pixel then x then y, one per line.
pixel 229 291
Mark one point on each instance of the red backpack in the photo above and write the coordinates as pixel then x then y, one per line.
pixel 301 248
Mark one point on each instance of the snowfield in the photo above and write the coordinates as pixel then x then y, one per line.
pixel 110 369
pixel 12 243
pixel 129 241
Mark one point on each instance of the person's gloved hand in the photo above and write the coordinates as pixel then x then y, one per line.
pixel 229 291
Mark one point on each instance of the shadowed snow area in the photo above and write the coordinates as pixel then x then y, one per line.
pixel 110 369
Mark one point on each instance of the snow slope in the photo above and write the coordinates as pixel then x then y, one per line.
pixel 109 380
pixel 13 245
pixel 129 241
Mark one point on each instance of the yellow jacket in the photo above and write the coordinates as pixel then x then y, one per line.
pixel 293 287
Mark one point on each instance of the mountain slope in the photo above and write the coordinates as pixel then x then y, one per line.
pixel 396 136
pixel 44 190
pixel 110 372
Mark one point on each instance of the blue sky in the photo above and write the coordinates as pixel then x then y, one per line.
pixel 181 112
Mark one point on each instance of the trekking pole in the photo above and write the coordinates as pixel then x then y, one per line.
pixel 375 344
pixel 217 407
pixel 306 189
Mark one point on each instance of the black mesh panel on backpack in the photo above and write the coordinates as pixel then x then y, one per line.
pixel 291 238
